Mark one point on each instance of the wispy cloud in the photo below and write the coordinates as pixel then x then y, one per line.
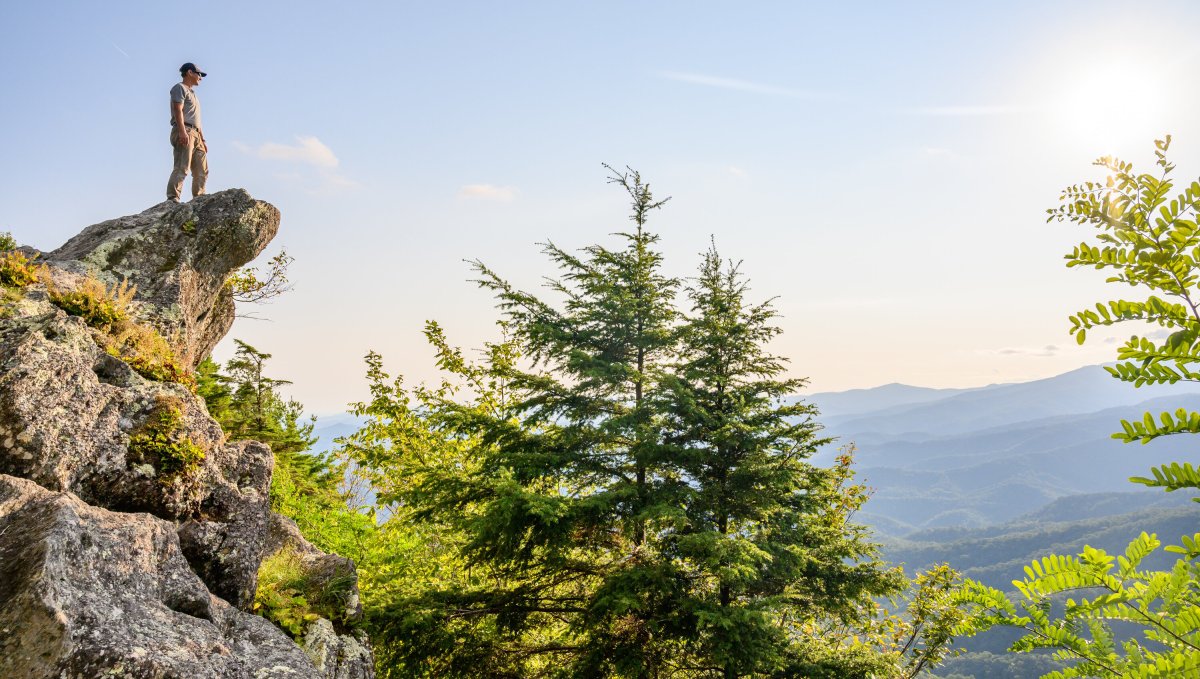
pixel 965 110
pixel 938 152
pixel 741 85
pixel 1047 350
pixel 123 52
pixel 306 150
pixel 488 192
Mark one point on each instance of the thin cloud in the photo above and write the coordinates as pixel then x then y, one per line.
pixel 965 110
pixel 936 152
pixel 740 85
pixel 737 171
pixel 123 52
pixel 1048 350
pixel 307 151
pixel 488 192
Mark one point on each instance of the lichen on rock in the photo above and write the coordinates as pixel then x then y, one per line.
pixel 179 271
pixel 131 530
pixel 84 591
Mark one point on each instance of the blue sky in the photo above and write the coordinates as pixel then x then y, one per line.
pixel 881 168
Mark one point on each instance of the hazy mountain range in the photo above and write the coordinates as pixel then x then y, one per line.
pixel 987 479
pixel 977 457
pixel 972 458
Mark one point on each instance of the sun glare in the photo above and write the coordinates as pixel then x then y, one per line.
pixel 1114 102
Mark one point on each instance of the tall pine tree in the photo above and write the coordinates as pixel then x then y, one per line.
pixel 572 491
pixel 766 543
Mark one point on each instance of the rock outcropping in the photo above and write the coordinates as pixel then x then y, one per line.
pixel 178 256
pixel 113 561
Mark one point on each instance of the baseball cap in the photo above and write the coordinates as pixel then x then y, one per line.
pixel 189 66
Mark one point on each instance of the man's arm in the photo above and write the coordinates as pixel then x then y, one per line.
pixel 180 129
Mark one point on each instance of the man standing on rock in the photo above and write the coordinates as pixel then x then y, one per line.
pixel 187 134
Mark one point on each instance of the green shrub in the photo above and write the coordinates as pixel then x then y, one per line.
pixel 147 352
pixel 281 592
pixel 162 442
pixel 7 242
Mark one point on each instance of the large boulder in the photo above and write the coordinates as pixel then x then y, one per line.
pixel 68 414
pixel 337 656
pixel 85 592
pixel 179 256
pixel 131 542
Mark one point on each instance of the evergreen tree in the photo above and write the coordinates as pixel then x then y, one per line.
pixel 428 612
pixel 572 488
pixel 638 502
pixel 765 542
pixel 248 406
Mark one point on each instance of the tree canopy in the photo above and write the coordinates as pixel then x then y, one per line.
pixel 623 487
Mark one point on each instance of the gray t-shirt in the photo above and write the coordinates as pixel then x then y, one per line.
pixel 191 105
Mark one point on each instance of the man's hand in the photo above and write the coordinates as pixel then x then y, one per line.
pixel 182 136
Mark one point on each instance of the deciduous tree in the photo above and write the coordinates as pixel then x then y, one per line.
pixel 1148 238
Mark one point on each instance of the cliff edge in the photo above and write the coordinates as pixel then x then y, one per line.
pixel 131 529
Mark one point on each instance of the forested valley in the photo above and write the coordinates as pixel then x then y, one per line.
pixel 624 484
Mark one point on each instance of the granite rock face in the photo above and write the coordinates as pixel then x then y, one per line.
pixel 179 256
pixel 68 411
pixel 85 592
pixel 114 560
pixel 337 656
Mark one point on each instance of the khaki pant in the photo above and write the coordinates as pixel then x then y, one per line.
pixel 193 156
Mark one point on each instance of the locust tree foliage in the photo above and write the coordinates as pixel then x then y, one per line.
pixel 1146 237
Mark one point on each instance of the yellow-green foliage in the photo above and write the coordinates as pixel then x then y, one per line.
pixel 280 596
pixel 161 441
pixel 289 598
pixel 17 270
pixel 9 297
pixel 7 242
pixel 99 306
pixel 146 352
pixel 109 311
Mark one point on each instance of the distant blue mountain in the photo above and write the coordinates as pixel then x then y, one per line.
pixel 330 427
pixel 978 457
pixel 988 479
pixel 1085 390
pixel 857 402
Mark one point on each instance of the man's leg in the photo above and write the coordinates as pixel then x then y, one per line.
pixel 199 164
pixel 183 158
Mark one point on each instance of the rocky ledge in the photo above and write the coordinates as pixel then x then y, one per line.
pixel 131 530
